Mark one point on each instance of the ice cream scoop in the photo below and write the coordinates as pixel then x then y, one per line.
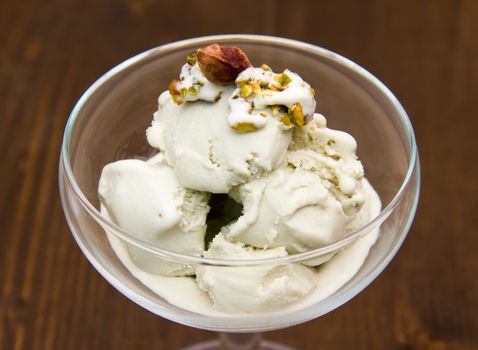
pixel 146 200
pixel 205 153
pixel 251 289
pixel 289 208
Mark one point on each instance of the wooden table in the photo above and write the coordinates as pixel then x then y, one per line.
pixel 51 51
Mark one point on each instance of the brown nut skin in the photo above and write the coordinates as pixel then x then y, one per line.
pixel 173 88
pixel 222 64
pixel 175 91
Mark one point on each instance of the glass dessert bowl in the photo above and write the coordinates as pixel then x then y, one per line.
pixel 108 124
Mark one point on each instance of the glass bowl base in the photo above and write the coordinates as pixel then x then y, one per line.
pixel 218 345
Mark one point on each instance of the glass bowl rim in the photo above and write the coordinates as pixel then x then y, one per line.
pixel 260 39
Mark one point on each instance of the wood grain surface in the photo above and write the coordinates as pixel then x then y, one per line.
pixel 51 51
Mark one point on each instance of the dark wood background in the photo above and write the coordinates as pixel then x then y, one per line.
pixel 51 51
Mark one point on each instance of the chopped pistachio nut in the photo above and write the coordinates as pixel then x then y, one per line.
pixel 312 91
pixel 245 127
pixel 175 100
pixel 256 88
pixel 265 67
pixel 193 91
pixel 173 87
pixel 246 90
pixel 183 92
pixel 283 79
pixel 274 87
pixel 286 120
pixel 192 58
pixel 296 114
pixel 173 90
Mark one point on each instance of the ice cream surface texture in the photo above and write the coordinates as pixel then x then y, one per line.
pixel 145 198
pixel 259 288
pixel 221 157
pixel 226 127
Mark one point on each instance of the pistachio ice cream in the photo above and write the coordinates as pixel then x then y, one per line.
pixel 226 127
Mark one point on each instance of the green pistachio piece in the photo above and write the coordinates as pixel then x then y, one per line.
pixel 192 90
pixel 192 58
pixel 246 91
pixel 286 120
pixel 296 114
pixel 256 88
pixel 183 92
pixel 285 79
pixel 245 127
